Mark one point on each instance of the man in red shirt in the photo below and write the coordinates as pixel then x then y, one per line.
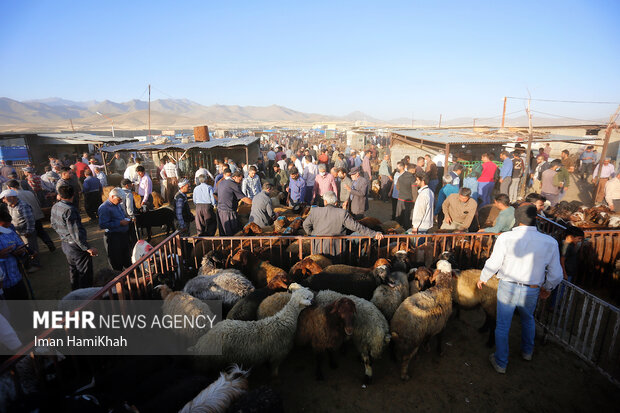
pixel 323 182
pixel 486 181
pixel 80 167
pixel 323 158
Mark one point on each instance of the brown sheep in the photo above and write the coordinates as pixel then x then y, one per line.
pixel 467 295
pixel 258 271
pixel 372 223
pixel 303 269
pixel 251 229
pixel 325 329
pixel 419 280
pixel 137 200
pixel 421 317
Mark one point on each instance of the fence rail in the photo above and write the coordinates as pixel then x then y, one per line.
pixel 585 324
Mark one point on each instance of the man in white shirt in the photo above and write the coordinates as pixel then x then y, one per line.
pixel 527 262
pixel 607 172
pixel 145 187
pixel 422 214
pixel 130 172
pixel 202 171
pixel 172 179
pixel 612 193
pixel 309 175
pixel 206 222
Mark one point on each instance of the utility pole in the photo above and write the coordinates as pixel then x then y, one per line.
pixel 72 128
pixel 504 112
pixel 149 112
pixel 610 127
pixel 529 146
pixel 439 120
pixel 474 123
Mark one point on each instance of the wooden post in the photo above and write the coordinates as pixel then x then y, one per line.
pixel 105 166
pixel 610 127
pixel 504 111
pixel 149 138
pixel 440 120
pixel 445 162
pixel 529 148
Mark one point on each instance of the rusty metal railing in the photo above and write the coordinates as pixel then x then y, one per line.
pixel 585 324
pixel 135 283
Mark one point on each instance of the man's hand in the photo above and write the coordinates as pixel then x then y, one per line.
pixel 93 252
pixel 347 187
pixel 124 223
pixel 414 230
pixel 480 284
pixel 6 251
pixel 544 294
pixel 447 219
pixel 501 180
pixel 18 251
pixel 379 236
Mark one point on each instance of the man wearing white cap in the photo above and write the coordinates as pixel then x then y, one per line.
pixel 112 219
pixel 181 206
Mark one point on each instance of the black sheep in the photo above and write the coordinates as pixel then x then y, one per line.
pixel 359 284
pixel 156 218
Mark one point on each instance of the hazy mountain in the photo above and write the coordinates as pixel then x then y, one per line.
pixel 55 112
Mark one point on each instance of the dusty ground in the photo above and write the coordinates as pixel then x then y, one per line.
pixel 461 380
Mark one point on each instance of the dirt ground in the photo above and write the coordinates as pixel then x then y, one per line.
pixel 461 380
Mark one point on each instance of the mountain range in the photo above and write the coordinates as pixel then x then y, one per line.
pixel 58 113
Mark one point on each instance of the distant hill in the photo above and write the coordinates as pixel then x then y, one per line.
pixel 55 113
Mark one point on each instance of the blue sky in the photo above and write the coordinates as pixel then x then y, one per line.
pixel 387 59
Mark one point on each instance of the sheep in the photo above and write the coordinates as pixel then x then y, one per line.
pixel 387 297
pixel 259 272
pixel 371 331
pixel 421 317
pixel 246 308
pixel 401 261
pixel 219 395
pixel 419 279
pixel 255 342
pixel 307 267
pixel 345 279
pixel 325 328
pixel 272 304
pixel 226 285
pixel 372 223
pixel 260 400
pixel 76 298
pixel 466 295
pixel 211 262
pixel 181 303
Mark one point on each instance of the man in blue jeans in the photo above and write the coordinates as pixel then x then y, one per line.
pixel 527 262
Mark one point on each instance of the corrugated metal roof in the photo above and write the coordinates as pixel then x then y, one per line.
pixel 214 143
pixel 81 138
pixel 468 136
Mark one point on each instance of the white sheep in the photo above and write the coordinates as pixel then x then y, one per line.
pixel 180 303
pixel 371 331
pixel 227 285
pixel 219 395
pixel 272 304
pixel 387 297
pixel 255 342
pixel 422 316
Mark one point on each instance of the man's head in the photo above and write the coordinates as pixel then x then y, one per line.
pixel 117 155
pixel 330 198
pixel 126 183
pixel 589 148
pixel 565 154
pixel 92 161
pixel 525 215
pixel 421 161
pixel 65 173
pixel 421 179
pixel 116 196
pixel 334 172
pixel 540 159
pixel 400 166
pixel 237 177
pixel 573 234
pixel 386 157
pixel 537 200
pixel 606 161
pixel 428 158
pixel 13 184
pixel 308 158
pixel 267 187
pixel 458 169
pixel 503 155
pixel 85 155
pixel 322 169
pixel 406 159
pixel 484 157
pixel 342 173
pixel 184 186
pixel 355 173
pixel 294 172
pixel 502 201
pixel 276 167
pixel 88 172
pixel 252 171
pixel 556 164
pixel 140 171
pixel 464 194
pixel 66 192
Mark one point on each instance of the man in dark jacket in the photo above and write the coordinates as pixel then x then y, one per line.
pixel 181 206
pixel 359 194
pixel 406 191
pixel 228 196
pixel 329 221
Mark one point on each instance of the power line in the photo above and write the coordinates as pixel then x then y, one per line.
pixel 567 117
pixel 499 116
pixel 564 101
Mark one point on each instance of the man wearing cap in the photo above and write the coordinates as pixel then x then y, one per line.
pixel 181 206
pixel 228 196
pixel 30 199
pixel 323 182
pixel 65 220
pixel 113 221
pixel 607 172
pixel 330 221
pixel 69 179
pixel 145 187
pixel 24 223
pixel 359 193
pixel 527 263
pixel 262 210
